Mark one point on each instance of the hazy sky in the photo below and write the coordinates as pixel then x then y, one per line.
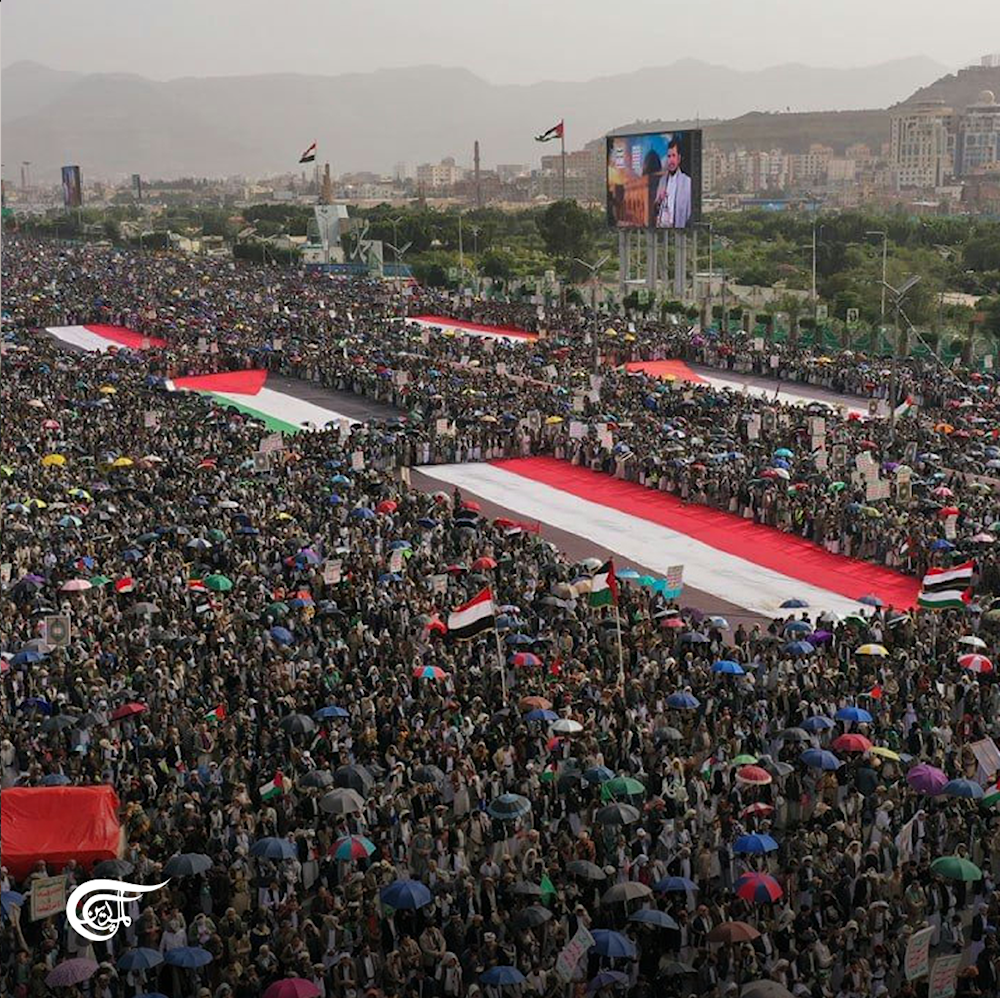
pixel 505 41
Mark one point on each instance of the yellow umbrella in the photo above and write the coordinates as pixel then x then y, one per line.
pixel 36 504
pixel 80 494
pixel 629 338
pixel 36 403
pixel 488 419
pixel 54 460
pixel 107 390
pixel 7 469
pixel 122 462
pixel 879 651
pixel 886 753
pixel 552 420
pixel 284 516
pixel 610 331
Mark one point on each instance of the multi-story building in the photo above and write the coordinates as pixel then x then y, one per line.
pixel 919 144
pixel 810 167
pixel 443 174
pixel 977 144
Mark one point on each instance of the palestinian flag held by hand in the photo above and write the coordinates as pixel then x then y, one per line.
pixel 309 156
pixel 604 585
pixel 555 132
pixel 944 599
pixel 216 714
pixel 274 788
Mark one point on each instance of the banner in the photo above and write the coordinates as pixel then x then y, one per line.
pixel 944 975
pixel 48 897
pixel 72 187
pixel 573 952
pixel 917 960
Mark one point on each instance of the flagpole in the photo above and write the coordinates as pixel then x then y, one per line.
pixel 621 653
pixel 562 148
pixel 500 661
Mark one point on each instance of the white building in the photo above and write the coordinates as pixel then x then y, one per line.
pixel 978 142
pixel 918 144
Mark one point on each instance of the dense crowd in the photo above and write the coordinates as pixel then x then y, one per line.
pixel 536 785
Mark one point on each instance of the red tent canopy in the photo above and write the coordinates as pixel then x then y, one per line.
pixel 58 824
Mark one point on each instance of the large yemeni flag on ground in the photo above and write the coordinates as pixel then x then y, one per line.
pixel 604 586
pixel 469 619
pixel 97 338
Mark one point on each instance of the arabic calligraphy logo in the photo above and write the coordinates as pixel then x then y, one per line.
pixel 97 907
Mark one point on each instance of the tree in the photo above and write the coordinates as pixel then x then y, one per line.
pixel 566 229
pixel 991 317
pixel 498 264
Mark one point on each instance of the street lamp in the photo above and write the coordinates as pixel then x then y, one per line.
pixel 885 255
pixel 593 268
pixel 898 294
pixel 711 269
pixel 397 252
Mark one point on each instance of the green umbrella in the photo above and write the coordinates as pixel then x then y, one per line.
pixel 621 786
pixel 219 583
pixel 216 536
pixel 853 618
pixel 99 580
pixel 278 608
pixel 744 760
pixel 956 868
pixel 836 486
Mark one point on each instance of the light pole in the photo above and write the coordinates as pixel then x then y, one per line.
pixel 711 269
pixel 814 265
pixel 394 222
pixel 898 294
pixel 594 268
pixel 885 256
pixel 398 252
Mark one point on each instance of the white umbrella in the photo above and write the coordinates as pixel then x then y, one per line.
pixel 566 726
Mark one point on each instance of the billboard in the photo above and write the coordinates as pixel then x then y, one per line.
pixel 137 186
pixel 72 191
pixel 654 180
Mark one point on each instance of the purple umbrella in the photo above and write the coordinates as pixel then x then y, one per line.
pixel 926 779
pixel 70 972
pixel 820 637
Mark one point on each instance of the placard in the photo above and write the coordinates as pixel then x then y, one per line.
pixel 596 381
pixel 758 344
pixel 838 455
pixel 271 444
pixel 550 371
pixel 877 488
pixel 572 953
pixel 904 491
pixel 817 426
pixel 501 369
pixel 151 420
pixel 261 462
pixel 5 570
pixel 579 403
pixel 775 362
pixel 48 897
pixel 202 344
pixel 396 560
pixel 332 572
pixel 58 630
pixel 944 976
pixel 439 583
pixel 949 526
pixel 358 461
pixel 577 430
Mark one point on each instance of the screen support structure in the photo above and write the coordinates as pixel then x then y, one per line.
pixel 680 262
pixel 651 260
pixel 622 260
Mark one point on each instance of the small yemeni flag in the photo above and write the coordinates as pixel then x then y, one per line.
pixel 604 586
pixel 197 586
pixel 125 585
pixel 309 155
pixel 469 619
pixel 555 132
pixel 937 578
pixel 944 599
pixel 274 788
pixel 555 666
pixel 216 714
pixel 905 408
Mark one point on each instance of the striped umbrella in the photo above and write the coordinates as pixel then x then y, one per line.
pixel 976 663
pixel 758 887
pixel 429 672
pixel 352 847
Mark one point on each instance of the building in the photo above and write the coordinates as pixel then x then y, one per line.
pixel 919 143
pixel 509 172
pixel 977 145
pixel 443 174
pixel 809 167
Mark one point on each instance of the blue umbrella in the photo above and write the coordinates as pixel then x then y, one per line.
pixel 798 627
pixel 755 844
pixel 607 942
pixel 501 976
pixel 35 703
pixel 55 780
pixel 28 656
pixel 333 499
pixel 870 600
pixel 853 714
pixel 627 573
pixel 598 774
pixel 942 545
pixel 820 759
pixel 332 711
pixel 728 668
pixel 406 895
pixel 608 979
pixel 362 513
pixel 653 916
pixel 142 958
pixel 508 807
pixel 519 639
pixel 683 700
pixel 968 789
pixel 427 523
pixel 188 957
pixel 817 723
pixel 800 648
pixel 132 554
pixel 675 884
pixel 273 848
pixel 282 635
pixel 400 546
pixel 340 480
pixel 541 715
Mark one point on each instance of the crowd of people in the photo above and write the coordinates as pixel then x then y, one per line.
pixel 377 809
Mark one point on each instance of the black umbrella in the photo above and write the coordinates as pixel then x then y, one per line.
pixel 113 868
pixel 354 777
pixel 427 774
pixel 298 724
pixel 532 916
pixel 587 870
pixel 187 864
pixel 320 778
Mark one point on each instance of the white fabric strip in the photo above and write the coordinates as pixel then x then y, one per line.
pixel 81 338
pixel 286 407
pixel 761 590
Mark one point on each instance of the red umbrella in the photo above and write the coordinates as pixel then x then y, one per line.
pixel 526 658
pixel 753 775
pixel 471 504
pixel 975 663
pixel 757 810
pixel 945 511
pixel 386 506
pixel 292 987
pixel 851 742
pixel 483 564
pixel 457 568
pixel 758 887
pixel 125 585
pixel 127 710
pixel 436 626
pixel 733 932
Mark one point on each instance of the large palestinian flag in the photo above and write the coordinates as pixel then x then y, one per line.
pixel 99 339
pixel 459 327
pixel 752 565
pixel 248 391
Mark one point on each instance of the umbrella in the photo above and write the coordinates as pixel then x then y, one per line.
pixel 59 723
pixel 976 663
pixel 728 668
pixel 142 958
pixel 406 894
pixel 319 778
pixel 621 786
pixel 755 844
pixel 541 715
pixel 273 848
pixel 282 635
pixel 128 710
pixel 607 979
pixel 733 932
pixel 609 943
pixel 532 916
pixel 857 714
pixel 969 640
pixel 683 700
pixel 527 889
pixel 598 774
pixel 354 776
pixel 675 884
pixel 956 868
pixel 70 972
pixel 76 586
pixel 509 807
pixel 675 968
pixel 798 627
pixel 795 735
pixel 820 759
pixel 653 916
pixel 629 890
pixel 851 742
pixel 9 899
pixel 352 847
pixel 968 789
pixel 879 651
pixel 757 810
pixel 926 779
pixel 817 723
pixel 758 887
pixel 524 659
pixel 765 989
pixel 585 869
pixel 188 957
pixel 219 583
pixel 502 976
pixel 342 801
pixel 113 868
pixel 566 726
pixel 292 987
pixel 617 814
pixel 753 776
pixel 427 775
pixel 331 711
pixel 298 724
pixel 187 864
pixel 429 672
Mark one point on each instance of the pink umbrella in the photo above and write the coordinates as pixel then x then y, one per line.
pixel 851 742
pixel 70 972
pixel 75 586
pixel 753 776
pixel 975 663
pixel 292 987
pixel 926 779
pixel 127 710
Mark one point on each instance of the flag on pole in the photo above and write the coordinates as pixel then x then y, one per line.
pixel 604 585
pixel 309 155
pixel 992 796
pixel 944 599
pixel 470 619
pixel 273 788
pixel 905 408
pixel 555 132
pixel 216 713
pixel 940 578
